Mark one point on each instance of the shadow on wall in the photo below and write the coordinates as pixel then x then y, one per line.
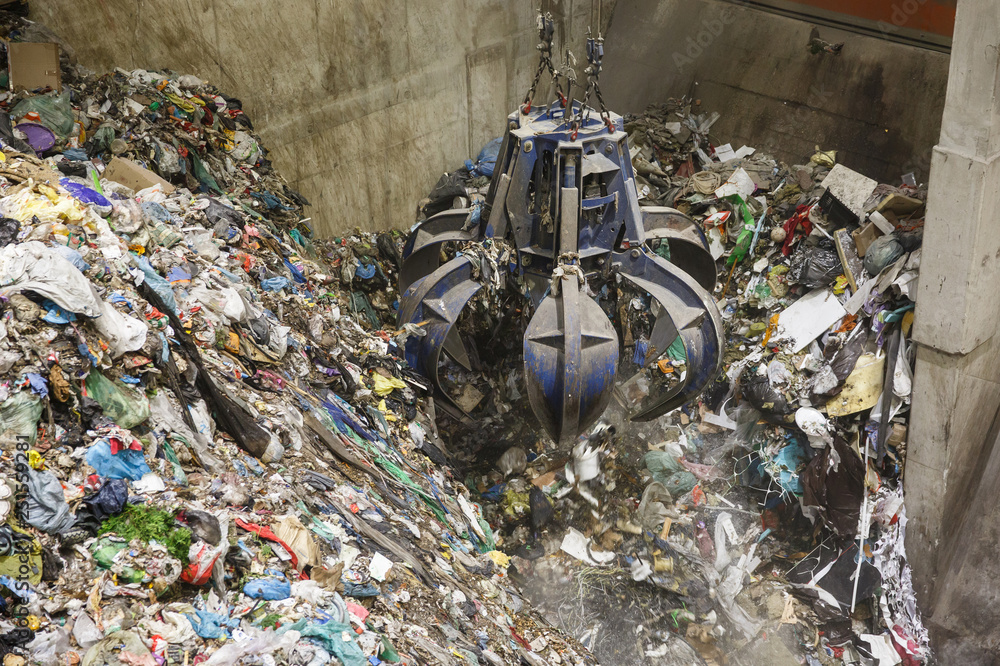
pixel 364 102
pixel 780 84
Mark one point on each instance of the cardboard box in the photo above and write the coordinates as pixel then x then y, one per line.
pixel 33 66
pixel 130 174
pixel 865 236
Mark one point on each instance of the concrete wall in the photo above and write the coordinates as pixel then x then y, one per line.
pixel 363 103
pixel 877 102
pixel 953 462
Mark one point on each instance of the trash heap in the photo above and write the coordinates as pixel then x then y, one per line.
pixel 212 452
pixel 765 523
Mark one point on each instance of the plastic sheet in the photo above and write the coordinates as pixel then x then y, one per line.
pixel 35 267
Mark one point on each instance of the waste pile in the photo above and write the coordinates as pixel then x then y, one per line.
pixel 212 452
pixel 765 523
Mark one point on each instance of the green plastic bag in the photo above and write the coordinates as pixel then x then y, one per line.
pixel 126 406
pixel 104 551
pixel 668 471
pixel 335 637
pixel 20 414
pixel 55 111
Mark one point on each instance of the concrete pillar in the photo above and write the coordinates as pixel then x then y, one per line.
pixel 956 388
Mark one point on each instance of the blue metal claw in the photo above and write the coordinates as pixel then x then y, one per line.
pixel 564 202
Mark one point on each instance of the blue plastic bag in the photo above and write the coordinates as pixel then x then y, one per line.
pixel 39 385
pixel 126 464
pixel 156 282
pixel 274 284
pixel 72 256
pixel 271 589
pixel 365 271
pixel 211 625
pixel 486 161
pixel 55 314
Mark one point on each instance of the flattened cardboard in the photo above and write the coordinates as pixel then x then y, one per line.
pixel 807 318
pixel 33 66
pixel 854 268
pixel 861 389
pixel 130 174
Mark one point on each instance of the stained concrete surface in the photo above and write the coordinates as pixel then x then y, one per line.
pixel 878 103
pixel 953 462
pixel 364 102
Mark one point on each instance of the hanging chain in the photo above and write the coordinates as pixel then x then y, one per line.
pixel 546 28
pixel 595 57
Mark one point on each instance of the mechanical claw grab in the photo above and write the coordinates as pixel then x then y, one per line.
pixel 563 195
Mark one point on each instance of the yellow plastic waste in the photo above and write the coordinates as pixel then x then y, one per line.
pixel 502 560
pixel 826 158
pixel 385 385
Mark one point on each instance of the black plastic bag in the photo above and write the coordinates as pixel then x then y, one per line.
pixel 449 186
pixel 109 500
pixel 764 398
pixel 9 229
pixel 836 490
pixel 815 265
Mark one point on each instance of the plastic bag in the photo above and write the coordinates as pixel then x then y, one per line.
pixel 158 284
pixel 212 625
pixel 72 256
pixel 85 631
pixel 108 648
pixel 121 332
pixel 47 648
pixel 9 229
pixel 46 505
pixel 126 464
pixel 486 160
pixel 202 558
pixel 54 109
pixel 109 500
pixel 126 406
pixel 100 140
pixel 201 241
pixel 764 398
pixel 165 413
pixel 271 589
pixel 264 642
pixel 882 252
pixel 668 472
pixel 815 265
pixel 20 414
pixel 333 636
pixel 274 284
